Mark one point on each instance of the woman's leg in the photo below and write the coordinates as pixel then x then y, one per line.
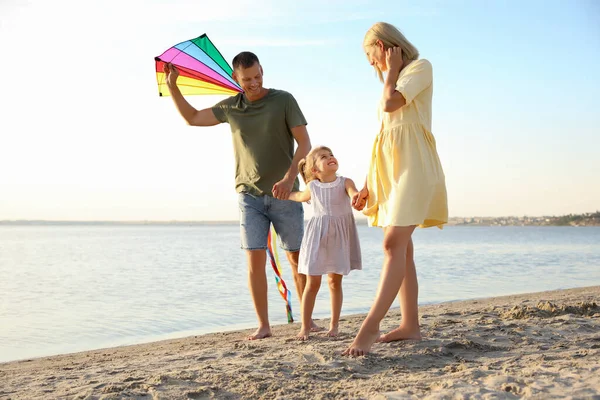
pixel 313 283
pixel 409 303
pixel 337 298
pixel 395 246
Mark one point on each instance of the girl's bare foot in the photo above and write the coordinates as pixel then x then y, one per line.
pixel 333 331
pixel 314 327
pixel 401 333
pixel 303 335
pixel 261 333
pixel 362 342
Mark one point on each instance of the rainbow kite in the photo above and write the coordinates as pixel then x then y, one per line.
pixel 283 290
pixel 202 69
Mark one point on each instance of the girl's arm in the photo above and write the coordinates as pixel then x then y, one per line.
pixel 300 197
pixel 358 198
pixel 350 187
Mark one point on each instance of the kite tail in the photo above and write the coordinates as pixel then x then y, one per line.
pixel 274 258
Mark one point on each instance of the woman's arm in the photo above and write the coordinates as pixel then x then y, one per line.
pixel 393 99
pixel 399 92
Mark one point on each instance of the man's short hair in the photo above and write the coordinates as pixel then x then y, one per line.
pixel 245 60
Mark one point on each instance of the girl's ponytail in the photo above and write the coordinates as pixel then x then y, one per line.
pixel 302 169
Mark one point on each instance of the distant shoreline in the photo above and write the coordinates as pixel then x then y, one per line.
pixel 577 220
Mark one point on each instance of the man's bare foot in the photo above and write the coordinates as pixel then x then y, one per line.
pixel 261 333
pixel 303 335
pixel 314 327
pixel 400 333
pixel 362 343
pixel 333 331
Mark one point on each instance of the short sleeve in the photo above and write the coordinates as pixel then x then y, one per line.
pixel 221 110
pixel 417 78
pixel 293 114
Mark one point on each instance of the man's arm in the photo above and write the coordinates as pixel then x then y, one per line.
pixel 192 116
pixel 282 188
pixel 301 136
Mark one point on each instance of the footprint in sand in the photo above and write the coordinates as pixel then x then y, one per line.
pixel 313 358
pixel 467 344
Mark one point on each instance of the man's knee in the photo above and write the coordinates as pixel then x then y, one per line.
pixel 257 260
pixel 292 257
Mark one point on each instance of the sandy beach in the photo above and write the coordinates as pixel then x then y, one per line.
pixel 541 345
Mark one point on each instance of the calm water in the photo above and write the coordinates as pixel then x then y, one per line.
pixel 73 288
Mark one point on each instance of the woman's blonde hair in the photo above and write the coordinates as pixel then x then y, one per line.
pixel 390 36
pixel 307 164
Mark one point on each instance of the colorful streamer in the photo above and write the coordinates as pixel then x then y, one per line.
pixel 281 286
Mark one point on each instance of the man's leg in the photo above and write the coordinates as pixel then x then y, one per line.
pixel 257 282
pixel 254 228
pixel 299 279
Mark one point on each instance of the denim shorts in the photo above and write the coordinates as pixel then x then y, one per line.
pixel 258 212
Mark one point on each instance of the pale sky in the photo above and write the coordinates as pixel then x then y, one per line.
pixel 85 136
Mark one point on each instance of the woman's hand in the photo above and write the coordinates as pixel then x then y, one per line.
pixel 393 59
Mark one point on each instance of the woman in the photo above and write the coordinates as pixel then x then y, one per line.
pixel 405 186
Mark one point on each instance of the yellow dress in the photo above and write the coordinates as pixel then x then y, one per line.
pixel 406 181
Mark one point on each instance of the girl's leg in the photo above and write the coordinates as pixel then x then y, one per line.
pixel 337 297
pixel 409 304
pixel 313 283
pixel 395 246
pixel 299 282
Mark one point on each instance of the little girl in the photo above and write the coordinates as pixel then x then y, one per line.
pixel 330 244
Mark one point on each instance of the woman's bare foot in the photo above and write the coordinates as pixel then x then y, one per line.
pixel 261 333
pixel 314 327
pixel 362 342
pixel 333 331
pixel 401 333
pixel 303 335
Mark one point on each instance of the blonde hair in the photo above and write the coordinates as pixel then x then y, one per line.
pixel 390 36
pixel 307 164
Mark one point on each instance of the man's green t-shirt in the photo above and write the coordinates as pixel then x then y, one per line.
pixel 262 138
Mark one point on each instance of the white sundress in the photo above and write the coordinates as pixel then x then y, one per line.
pixel 330 244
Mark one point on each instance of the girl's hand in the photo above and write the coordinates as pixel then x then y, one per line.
pixel 359 200
pixel 393 59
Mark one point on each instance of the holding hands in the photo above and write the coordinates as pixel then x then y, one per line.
pixel 359 199
pixel 282 189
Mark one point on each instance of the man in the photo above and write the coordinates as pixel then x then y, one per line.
pixel 264 124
